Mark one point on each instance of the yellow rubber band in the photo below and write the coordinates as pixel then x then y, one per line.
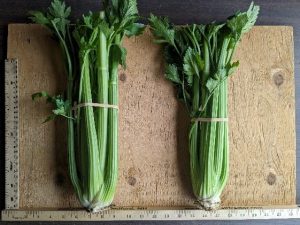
pixel 208 120
pixel 100 105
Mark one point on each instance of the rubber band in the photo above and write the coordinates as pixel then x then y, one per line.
pixel 208 120
pixel 99 105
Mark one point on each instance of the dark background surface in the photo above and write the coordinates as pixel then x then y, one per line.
pixel 275 12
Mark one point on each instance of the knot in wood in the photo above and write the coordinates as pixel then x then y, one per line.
pixel 271 179
pixel 123 77
pixel 59 179
pixel 278 79
pixel 131 181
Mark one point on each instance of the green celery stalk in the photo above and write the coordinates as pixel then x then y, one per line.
pixel 102 97
pixel 92 131
pixel 198 62
pixel 88 131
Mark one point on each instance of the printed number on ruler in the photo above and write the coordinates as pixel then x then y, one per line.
pixel 11 135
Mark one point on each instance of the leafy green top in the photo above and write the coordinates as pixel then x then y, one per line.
pixel 56 18
pixel 203 52
pixel 61 106
pixel 118 19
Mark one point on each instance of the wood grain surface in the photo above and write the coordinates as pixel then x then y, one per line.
pixel 153 125
pixel 275 12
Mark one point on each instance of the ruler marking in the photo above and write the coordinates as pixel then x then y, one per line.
pixel 11 135
pixel 130 215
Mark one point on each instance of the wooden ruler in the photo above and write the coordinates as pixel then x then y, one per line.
pixel 11 135
pixel 153 214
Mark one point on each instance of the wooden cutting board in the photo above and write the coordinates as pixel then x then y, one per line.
pixel 154 165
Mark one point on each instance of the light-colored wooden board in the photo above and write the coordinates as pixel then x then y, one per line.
pixel 154 165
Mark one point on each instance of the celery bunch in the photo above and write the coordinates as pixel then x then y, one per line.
pixel 92 50
pixel 199 62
